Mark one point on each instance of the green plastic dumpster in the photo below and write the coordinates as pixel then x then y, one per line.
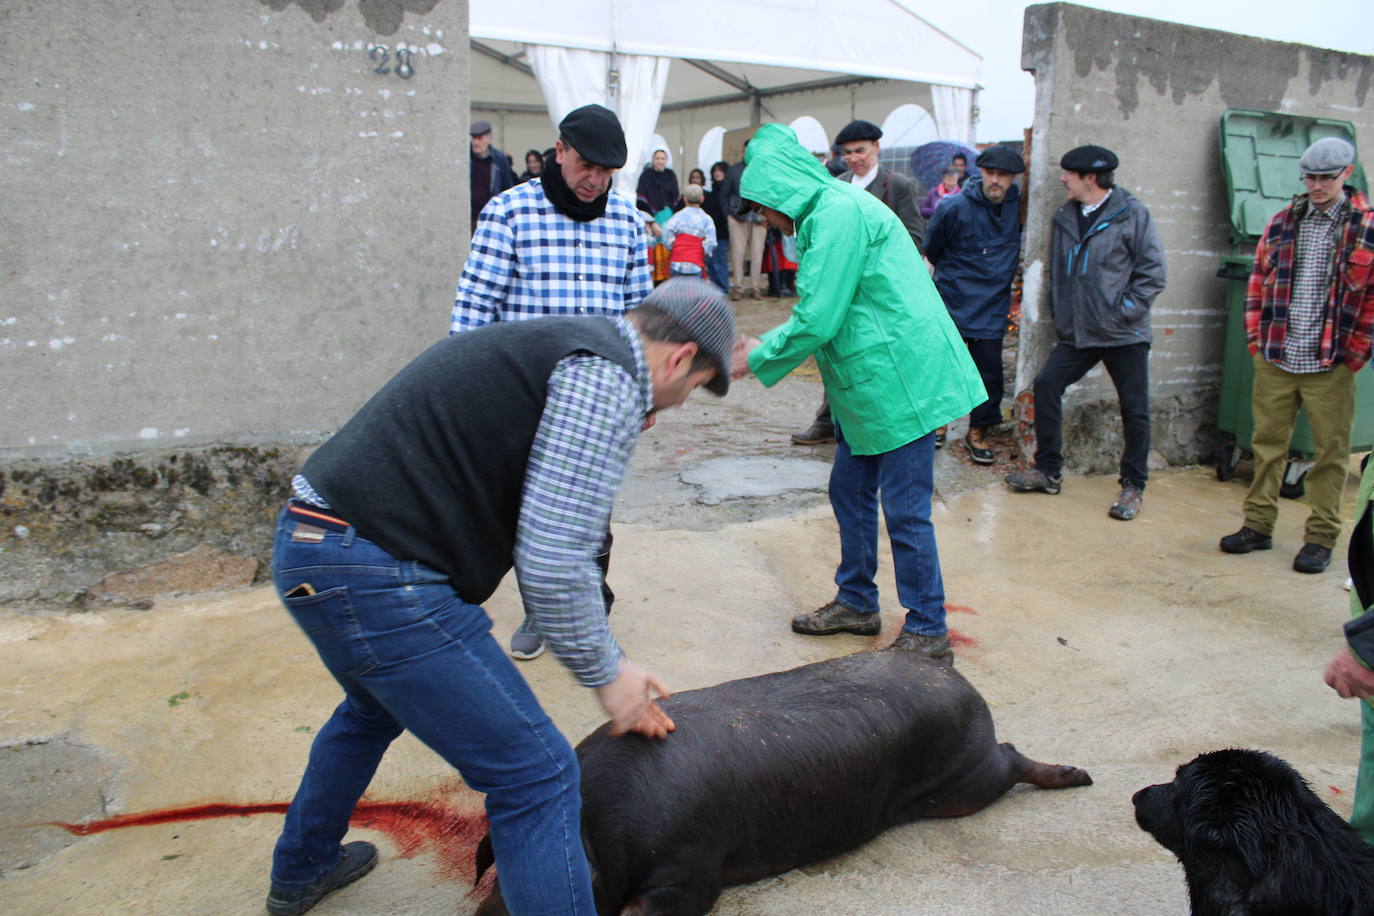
pixel 1260 152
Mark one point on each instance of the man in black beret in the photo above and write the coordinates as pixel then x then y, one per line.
pixel 568 217
pixel 974 242
pixel 1107 267
pixel 859 147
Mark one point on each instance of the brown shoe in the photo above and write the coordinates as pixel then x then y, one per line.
pixel 836 618
pixel 735 294
pixel 756 293
pixel 817 433
pixel 940 435
pixel 979 448
pixel 936 647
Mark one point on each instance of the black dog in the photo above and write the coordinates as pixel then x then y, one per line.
pixel 1254 839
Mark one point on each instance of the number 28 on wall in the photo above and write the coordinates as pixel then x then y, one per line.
pixel 381 55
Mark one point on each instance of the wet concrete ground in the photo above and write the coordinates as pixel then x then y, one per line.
pixel 1124 648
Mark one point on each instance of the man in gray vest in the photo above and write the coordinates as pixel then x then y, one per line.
pixel 501 447
pixel 858 143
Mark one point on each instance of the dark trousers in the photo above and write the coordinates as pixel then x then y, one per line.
pixel 987 356
pixel 1129 368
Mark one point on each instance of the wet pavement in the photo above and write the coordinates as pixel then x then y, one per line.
pixel 170 738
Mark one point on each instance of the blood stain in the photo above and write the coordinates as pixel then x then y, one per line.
pixel 437 826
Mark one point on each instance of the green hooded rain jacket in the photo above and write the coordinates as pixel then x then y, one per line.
pixel 893 363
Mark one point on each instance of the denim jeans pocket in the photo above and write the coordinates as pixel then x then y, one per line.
pixel 330 623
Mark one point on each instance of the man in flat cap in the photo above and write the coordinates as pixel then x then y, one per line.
pixel 490 171
pixel 560 244
pixel 974 241
pixel 1309 314
pixel 859 147
pixel 1107 267
pixel 496 449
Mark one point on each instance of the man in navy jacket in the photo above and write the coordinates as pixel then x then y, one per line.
pixel 974 241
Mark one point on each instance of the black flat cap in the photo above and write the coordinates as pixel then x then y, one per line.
pixel 595 132
pixel 479 127
pixel 1001 158
pixel 855 131
pixel 1089 159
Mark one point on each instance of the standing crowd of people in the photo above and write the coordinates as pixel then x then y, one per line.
pixel 502 447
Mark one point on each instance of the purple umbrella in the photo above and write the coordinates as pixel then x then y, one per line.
pixel 930 159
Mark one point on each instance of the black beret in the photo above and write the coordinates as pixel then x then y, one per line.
pixel 1001 158
pixel 1089 159
pixel 855 131
pixel 596 134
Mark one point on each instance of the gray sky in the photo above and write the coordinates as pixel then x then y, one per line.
pixel 993 29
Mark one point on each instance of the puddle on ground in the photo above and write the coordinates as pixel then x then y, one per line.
pixel 737 478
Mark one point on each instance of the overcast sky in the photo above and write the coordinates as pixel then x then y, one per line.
pixel 992 28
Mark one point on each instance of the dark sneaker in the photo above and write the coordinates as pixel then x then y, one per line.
pixel 936 647
pixel 358 859
pixel 1246 540
pixel 940 435
pixel 836 618
pixel 979 448
pixel 818 433
pixel 1313 558
pixel 1033 480
pixel 1127 505
pixel 526 643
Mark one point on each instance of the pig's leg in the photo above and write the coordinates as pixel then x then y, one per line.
pixel 1044 775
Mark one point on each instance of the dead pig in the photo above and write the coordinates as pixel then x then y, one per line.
pixel 771 772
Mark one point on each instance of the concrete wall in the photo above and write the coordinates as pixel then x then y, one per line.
pixel 1154 92
pixel 221 226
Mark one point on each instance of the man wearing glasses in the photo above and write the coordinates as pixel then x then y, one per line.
pixel 1309 313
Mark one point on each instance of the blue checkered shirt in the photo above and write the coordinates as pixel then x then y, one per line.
pixel 592 418
pixel 528 260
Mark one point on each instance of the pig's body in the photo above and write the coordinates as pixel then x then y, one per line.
pixel 771 772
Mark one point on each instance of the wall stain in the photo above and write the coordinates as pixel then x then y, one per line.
pixel 1179 61
pixel 382 16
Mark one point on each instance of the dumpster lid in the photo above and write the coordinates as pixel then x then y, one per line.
pixel 1259 155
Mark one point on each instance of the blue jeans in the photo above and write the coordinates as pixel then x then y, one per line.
pixel 410 654
pixel 718 266
pixel 904 478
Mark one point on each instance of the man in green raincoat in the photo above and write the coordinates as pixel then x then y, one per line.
pixel 894 367
pixel 1349 672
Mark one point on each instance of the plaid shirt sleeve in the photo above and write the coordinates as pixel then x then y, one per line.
pixel 592 417
pixel 486 277
pixel 639 279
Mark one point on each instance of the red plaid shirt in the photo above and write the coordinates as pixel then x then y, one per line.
pixel 1347 333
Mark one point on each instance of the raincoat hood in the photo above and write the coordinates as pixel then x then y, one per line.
pixel 780 173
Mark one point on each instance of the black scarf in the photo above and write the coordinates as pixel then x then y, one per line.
pixel 563 198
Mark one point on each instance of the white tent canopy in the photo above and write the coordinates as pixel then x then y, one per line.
pixel 640 60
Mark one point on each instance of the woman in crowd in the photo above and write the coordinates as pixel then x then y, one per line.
pixel 534 164
pixel 718 265
pixel 949 184
pixel 658 193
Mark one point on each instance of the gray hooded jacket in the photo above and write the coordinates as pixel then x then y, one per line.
pixel 1104 282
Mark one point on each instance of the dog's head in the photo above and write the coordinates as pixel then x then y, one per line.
pixel 1248 831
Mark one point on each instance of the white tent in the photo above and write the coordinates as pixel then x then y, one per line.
pixel 688 71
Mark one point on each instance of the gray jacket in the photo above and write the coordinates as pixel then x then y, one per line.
pixel 899 193
pixel 1103 284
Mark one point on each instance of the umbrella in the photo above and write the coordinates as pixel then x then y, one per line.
pixel 930 159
